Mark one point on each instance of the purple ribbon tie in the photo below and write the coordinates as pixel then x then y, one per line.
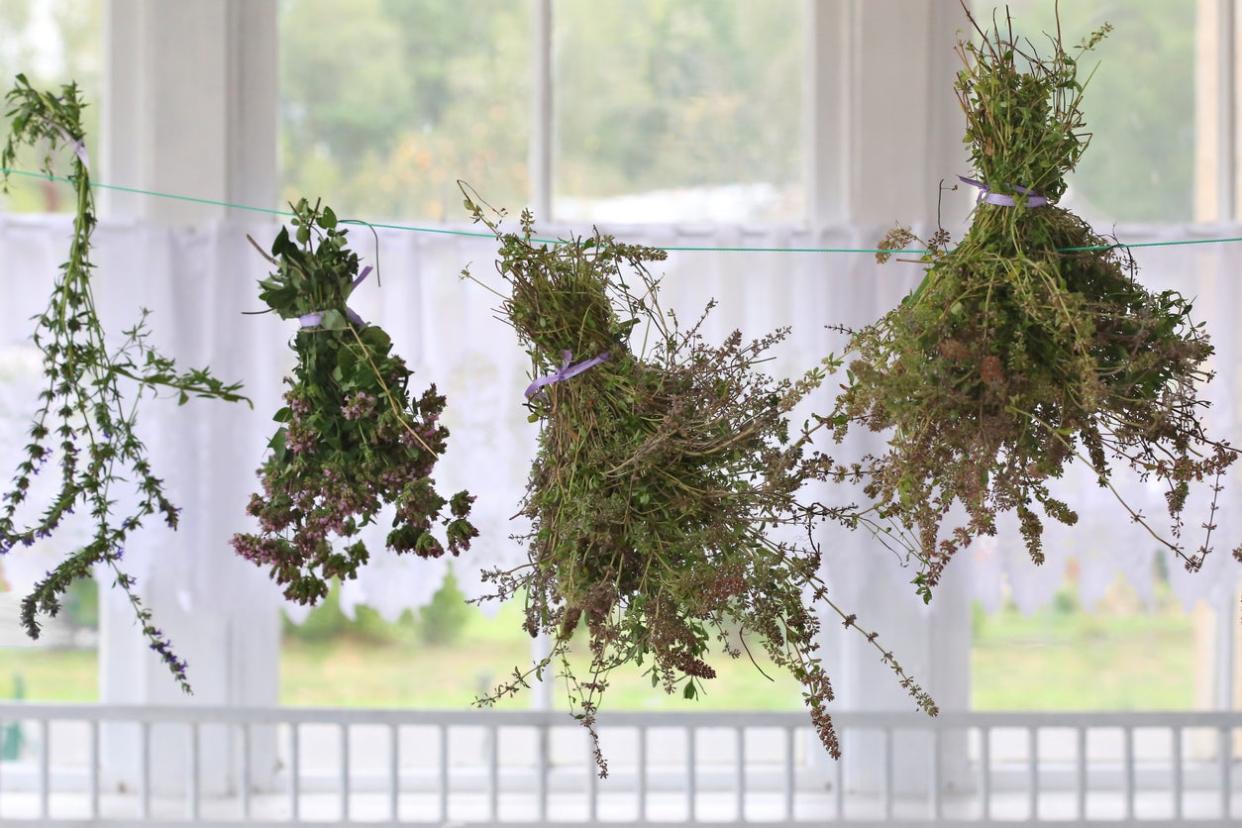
pixel 79 148
pixel 313 320
pixel 1033 199
pixel 566 371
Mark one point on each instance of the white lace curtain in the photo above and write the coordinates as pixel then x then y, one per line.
pixel 198 281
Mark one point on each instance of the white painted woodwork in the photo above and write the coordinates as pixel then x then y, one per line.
pixel 191 109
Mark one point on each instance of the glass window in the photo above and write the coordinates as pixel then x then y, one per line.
pixel 686 111
pixel 448 653
pixel 51 42
pixel 384 104
pixel 1140 104
pixel 1121 654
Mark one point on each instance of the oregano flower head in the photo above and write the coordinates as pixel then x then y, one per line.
pixel 352 439
pixel 1028 345
pixel 86 419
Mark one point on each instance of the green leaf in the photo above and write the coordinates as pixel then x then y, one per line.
pixel 333 320
pixel 327 220
pixel 281 241
pixel 346 361
pixel 377 338
pixel 277 443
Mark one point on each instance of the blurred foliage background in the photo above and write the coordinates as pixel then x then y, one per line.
pixel 664 109
pixel 1140 104
pixel 52 42
pixel 385 107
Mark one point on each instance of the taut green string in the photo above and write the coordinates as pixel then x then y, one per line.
pixel 475 234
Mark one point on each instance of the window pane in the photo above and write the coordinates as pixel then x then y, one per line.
pixel 52 42
pixel 1140 105
pixel 386 103
pixel 444 655
pixel 1120 653
pixel 671 111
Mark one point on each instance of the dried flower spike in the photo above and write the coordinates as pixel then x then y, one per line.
pixel 351 439
pixel 88 409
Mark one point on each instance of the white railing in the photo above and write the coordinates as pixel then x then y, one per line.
pixel 98 764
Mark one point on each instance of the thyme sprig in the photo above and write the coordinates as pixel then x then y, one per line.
pixel 351 439
pixel 87 413
pixel 664 498
pixel 1021 351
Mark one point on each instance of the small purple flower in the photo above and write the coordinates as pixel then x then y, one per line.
pixel 359 406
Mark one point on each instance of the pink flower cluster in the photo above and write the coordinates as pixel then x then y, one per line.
pixel 320 489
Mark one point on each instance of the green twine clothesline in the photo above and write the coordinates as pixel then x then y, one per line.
pixel 444 231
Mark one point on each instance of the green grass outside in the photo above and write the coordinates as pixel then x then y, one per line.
pixel 1053 660
pixel 1075 661
pixel 412 674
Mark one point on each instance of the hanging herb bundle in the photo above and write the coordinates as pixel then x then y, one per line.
pixel 665 483
pixel 351 439
pixel 1029 344
pixel 87 412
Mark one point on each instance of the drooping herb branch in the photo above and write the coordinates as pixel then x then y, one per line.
pixel 87 411
pixel 1021 351
pixel 351 439
pixel 665 489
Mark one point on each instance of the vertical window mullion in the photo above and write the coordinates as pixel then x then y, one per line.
pixel 825 112
pixel 1231 178
pixel 1215 166
pixel 542 111
pixel 1227 101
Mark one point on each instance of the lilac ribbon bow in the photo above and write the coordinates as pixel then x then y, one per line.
pixel 313 320
pixel 1033 199
pixel 79 148
pixel 566 371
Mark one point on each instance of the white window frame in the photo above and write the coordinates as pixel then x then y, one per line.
pixel 1217 185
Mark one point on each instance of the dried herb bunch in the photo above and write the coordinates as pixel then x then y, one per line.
pixel 1028 344
pixel 351 439
pixel 666 484
pixel 87 414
